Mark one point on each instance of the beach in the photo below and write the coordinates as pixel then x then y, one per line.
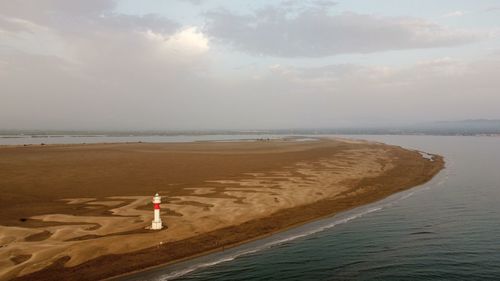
pixel 80 212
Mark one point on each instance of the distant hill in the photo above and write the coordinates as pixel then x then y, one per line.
pixel 462 127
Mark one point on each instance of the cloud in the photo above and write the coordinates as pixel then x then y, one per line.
pixel 189 41
pixel 51 12
pixel 492 9
pixel 194 2
pixel 355 76
pixel 313 32
pixel 156 92
pixel 441 88
pixel 75 17
pixel 89 67
pixel 86 32
pixel 293 5
pixel 454 14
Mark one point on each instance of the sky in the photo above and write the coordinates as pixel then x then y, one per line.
pixel 221 64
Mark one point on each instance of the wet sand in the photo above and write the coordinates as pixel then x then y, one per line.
pixel 79 212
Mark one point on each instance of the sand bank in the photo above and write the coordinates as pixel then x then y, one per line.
pixel 79 212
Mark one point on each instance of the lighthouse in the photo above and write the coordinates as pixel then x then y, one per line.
pixel 156 224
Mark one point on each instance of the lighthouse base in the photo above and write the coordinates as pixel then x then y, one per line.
pixel 156 225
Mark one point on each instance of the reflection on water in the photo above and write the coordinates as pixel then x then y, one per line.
pixel 446 229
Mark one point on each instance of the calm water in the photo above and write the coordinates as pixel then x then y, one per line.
pixel 448 229
pixel 75 139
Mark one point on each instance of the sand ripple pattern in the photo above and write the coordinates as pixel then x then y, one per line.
pixel 214 205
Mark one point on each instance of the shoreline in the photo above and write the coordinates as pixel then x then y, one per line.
pixel 124 276
pixel 410 170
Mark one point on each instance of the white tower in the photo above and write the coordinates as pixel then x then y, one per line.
pixel 156 224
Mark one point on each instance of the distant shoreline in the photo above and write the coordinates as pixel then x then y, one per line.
pixel 66 139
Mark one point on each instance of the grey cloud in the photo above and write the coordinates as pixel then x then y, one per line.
pixel 304 4
pixel 151 22
pixel 444 88
pixel 120 77
pixel 324 3
pixel 113 88
pixel 106 70
pixel 141 94
pixel 44 11
pixel 492 9
pixel 315 33
pixel 78 16
pixel 11 25
pixel 88 31
pixel 194 2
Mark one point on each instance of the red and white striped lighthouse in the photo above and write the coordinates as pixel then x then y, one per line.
pixel 156 224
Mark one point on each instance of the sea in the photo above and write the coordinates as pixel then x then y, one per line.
pixel 446 229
